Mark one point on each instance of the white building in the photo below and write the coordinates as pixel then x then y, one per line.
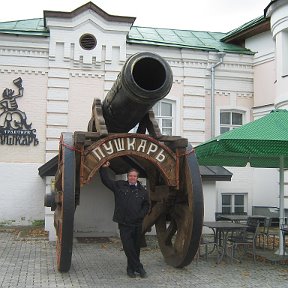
pixel 66 59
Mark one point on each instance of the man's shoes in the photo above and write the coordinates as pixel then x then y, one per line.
pixel 142 273
pixel 131 273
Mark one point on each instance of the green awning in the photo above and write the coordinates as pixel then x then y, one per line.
pixel 260 143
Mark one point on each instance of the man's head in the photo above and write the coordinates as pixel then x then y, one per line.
pixel 132 176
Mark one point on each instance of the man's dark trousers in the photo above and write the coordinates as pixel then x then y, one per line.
pixel 130 237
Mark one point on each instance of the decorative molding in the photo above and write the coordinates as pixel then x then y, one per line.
pixel 24 52
pixel 207 65
pixel 87 74
pixel 79 64
pixel 229 93
pixel 178 80
pixel 237 66
pixel 245 94
pixel 185 63
pixel 23 71
pixel 223 93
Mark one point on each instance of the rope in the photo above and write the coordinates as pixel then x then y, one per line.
pixel 71 147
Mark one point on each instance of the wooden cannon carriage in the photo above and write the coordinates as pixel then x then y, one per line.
pixel 167 162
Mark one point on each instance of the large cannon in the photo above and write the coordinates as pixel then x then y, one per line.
pixel 167 162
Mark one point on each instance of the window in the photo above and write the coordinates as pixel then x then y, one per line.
pixel 88 41
pixel 230 120
pixel 234 203
pixel 164 115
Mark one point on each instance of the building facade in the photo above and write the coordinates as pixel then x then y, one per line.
pixel 58 64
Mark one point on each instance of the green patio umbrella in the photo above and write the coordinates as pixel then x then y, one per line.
pixel 261 143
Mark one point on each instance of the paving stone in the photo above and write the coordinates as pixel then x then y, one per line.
pixel 32 264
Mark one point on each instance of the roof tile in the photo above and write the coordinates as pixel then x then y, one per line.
pixel 142 35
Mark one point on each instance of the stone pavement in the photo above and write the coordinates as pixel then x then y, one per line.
pixel 31 263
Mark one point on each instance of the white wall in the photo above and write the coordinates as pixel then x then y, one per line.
pixel 266 187
pixel 262 44
pixel 242 182
pixel 22 194
pixel 210 198
pixel 93 216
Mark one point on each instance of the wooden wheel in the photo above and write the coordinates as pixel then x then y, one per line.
pixel 179 228
pixel 65 200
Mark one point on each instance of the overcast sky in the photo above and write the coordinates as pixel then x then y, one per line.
pixel 205 15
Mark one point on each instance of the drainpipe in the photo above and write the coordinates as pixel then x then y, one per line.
pixel 221 56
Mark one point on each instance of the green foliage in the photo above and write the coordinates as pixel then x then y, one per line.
pixel 6 223
pixel 37 223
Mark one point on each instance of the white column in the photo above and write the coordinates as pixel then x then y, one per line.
pixel 278 13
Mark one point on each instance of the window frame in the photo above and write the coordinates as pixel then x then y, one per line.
pixel 159 118
pixel 232 202
pixel 231 126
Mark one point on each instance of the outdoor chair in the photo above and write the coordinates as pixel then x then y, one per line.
pixel 265 234
pixel 244 239
pixel 284 230
pixel 207 246
pixel 218 216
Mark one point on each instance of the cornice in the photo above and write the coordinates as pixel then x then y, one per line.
pixel 207 64
pixel 186 63
pixel 15 51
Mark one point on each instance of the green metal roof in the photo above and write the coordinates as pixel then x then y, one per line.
pixel 189 39
pixel 29 27
pixel 255 22
pixel 200 40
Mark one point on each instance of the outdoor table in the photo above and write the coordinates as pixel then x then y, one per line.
pixel 239 218
pixel 234 217
pixel 260 218
pixel 223 228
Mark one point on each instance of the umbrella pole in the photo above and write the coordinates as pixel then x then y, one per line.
pixel 281 206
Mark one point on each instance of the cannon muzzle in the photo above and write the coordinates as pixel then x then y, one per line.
pixel 145 79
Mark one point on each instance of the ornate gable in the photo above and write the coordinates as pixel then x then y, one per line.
pixel 87 35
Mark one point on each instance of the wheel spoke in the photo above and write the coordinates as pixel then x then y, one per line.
pixel 170 232
pixel 157 210
pixel 179 238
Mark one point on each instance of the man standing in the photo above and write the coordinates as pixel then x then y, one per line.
pixel 131 206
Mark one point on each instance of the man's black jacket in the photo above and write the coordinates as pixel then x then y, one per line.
pixel 131 204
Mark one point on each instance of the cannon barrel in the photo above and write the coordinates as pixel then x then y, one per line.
pixel 145 79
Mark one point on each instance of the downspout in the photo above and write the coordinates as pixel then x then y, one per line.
pixel 221 56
